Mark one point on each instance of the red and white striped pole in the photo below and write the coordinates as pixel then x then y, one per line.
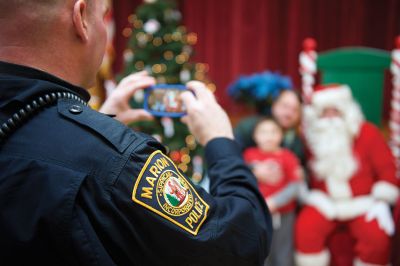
pixel 394 123
pixel 308 67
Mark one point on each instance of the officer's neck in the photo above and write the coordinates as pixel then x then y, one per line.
pixel 52 61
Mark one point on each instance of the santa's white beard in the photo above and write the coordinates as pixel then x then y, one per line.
pixel 331 142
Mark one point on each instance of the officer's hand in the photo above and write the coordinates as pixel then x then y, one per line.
pixel 118 102
pixel 205 117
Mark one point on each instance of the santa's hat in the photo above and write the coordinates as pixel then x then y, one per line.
pixel 331 95
pixel 338 96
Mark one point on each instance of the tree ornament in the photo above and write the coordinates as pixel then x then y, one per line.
pixel 186 159
pixel 132 18
pixel 176 15
pixel 191 38
pixel 185 75
pixel 168 125
pixel 175 156
pixel 137 23
pixel 187 49
pixel 172 15
pixel 168 38
pixel 142 39
pixel 168 55
pixel 127 32
pixel 183 167
pixel 139 65
pixel 198 166
pixel 128 56
pixel 151 26
pixel 157 41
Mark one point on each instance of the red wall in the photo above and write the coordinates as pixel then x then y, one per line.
pixel 244 36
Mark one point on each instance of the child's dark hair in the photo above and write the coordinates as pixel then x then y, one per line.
pixel 266 119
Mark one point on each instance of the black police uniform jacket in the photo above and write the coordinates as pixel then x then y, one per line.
pixel 79 188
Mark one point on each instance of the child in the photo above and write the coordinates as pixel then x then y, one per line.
pixel 278 174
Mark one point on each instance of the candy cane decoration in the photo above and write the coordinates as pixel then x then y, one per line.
pixel 394 123
pixel 308 67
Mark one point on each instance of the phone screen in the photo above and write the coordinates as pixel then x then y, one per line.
pixel 164 100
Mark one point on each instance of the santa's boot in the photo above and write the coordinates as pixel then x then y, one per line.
pixel 312 259
pixel 358 262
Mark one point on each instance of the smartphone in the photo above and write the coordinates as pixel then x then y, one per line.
pixel 163 100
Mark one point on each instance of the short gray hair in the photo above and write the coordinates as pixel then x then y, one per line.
pixel 11 7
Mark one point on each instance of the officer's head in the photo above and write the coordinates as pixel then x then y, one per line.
pixel 64 37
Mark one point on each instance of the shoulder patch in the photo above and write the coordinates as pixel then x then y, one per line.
pixel 161 188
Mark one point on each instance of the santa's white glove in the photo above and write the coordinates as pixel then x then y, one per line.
pixel 381 212
pixel 322 203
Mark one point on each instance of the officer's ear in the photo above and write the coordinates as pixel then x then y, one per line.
pixel 80 19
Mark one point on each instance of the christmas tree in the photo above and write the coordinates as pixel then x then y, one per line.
pixel 162 46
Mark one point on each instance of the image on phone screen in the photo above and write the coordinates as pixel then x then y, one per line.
pixel 164 100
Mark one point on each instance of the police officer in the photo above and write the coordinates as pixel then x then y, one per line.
pixel 79 188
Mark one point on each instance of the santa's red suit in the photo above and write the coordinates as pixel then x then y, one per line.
pixel 355 192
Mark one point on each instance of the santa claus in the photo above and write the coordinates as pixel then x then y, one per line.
pixel 352 180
